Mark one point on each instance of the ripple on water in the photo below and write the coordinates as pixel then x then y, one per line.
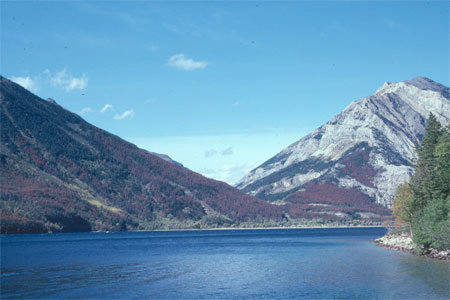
pixel 247 264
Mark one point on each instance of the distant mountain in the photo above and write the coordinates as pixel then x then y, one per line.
pixel 357 159
pixel 60 173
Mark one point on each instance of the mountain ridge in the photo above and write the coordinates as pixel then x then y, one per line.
pixel 62 174
pixel 369 146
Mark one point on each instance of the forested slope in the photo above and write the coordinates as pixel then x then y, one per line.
pixel 60 173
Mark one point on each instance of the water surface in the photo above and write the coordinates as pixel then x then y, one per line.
pixel 238 264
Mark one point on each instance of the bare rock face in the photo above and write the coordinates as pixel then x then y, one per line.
pixel 369 147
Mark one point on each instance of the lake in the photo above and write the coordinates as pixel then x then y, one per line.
pixel 238 264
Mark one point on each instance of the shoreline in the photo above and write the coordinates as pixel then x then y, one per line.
pixel 211 229
pixel 404 243
pixel 257 228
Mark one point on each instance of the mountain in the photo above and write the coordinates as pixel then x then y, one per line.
pixel 166 158
pixel 60 174
pixel 351 166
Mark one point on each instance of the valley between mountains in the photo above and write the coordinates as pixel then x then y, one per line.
pixel 62 174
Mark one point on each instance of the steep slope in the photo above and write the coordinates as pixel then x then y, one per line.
pixel 167 158
pixel 59 173
pixel 359 157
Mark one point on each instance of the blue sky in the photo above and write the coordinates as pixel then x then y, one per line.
pixel 219 86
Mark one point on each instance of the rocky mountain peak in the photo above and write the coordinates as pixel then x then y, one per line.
pixel 417 83
pixel 425 83
pixel 378 134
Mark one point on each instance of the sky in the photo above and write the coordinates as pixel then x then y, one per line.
pixel 219 86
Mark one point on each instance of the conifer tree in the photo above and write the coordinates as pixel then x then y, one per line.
pixel 441 182
pixel 421 181
pixel 424 203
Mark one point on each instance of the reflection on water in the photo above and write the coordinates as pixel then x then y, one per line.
pixel 434 273
pixel 247 264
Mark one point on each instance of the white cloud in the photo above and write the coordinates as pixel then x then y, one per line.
pixel 106 107
pixel 213 152
pixel 86 110
pixel 68 82
pixel 210 153
pixel 190 150
pixel 26 82
pixel 124 115
pixel 227 151
pixel 77 83
pixel 179 61
pixel 230 173
pixel 58 79
pixel 61 79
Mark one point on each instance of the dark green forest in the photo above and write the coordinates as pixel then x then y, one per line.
pixel 423 204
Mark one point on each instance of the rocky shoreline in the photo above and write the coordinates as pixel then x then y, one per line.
pixel 403 242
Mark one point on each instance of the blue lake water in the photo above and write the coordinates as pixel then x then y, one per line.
pixel 237 264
